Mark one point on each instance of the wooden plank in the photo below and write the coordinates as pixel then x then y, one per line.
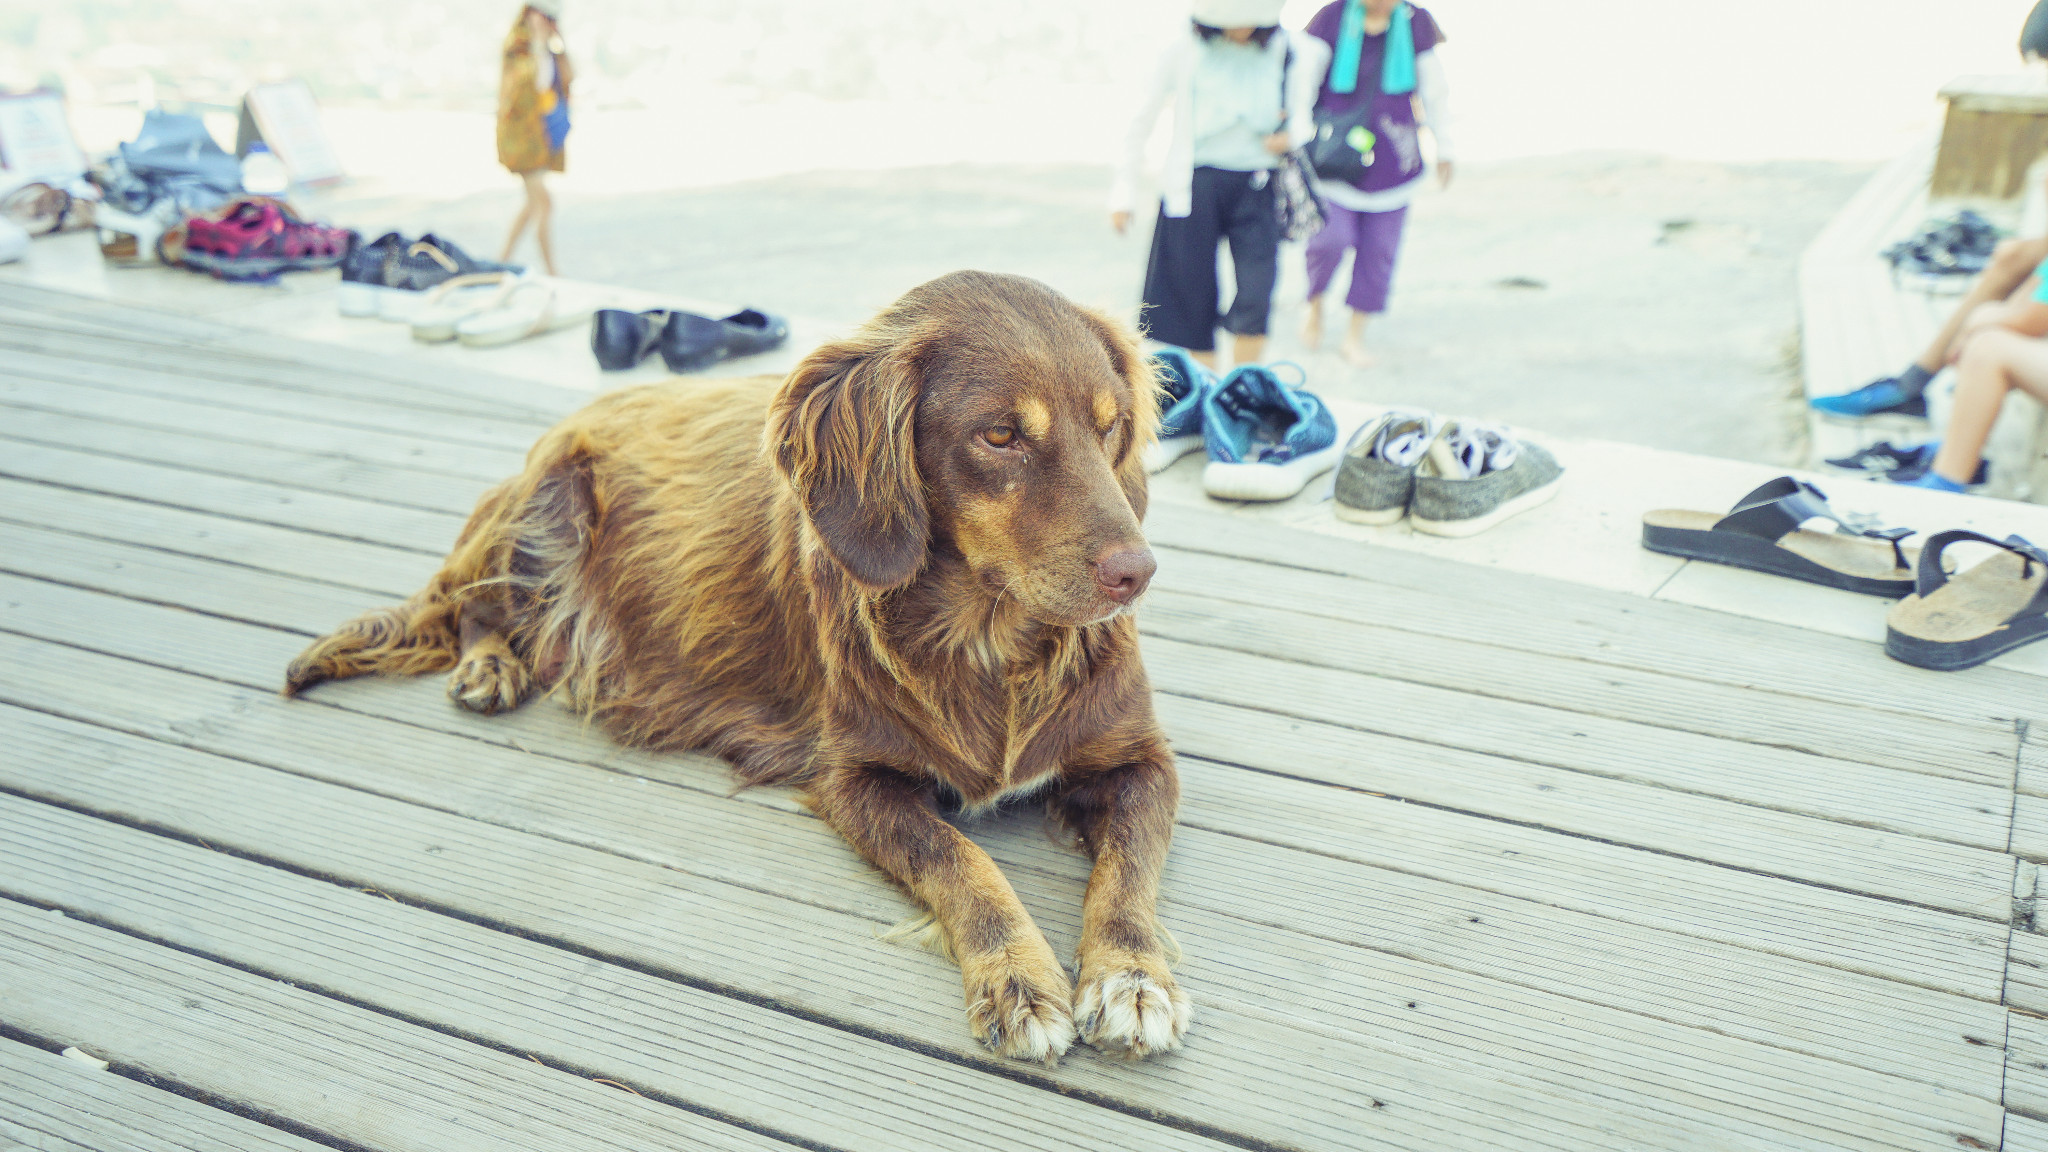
pixel 406 451
pixel 1816 924
pixel 270 393
pixel 490 391
pixel 1799 728
pixel 2026 978
pixel 1746 1088
pixel 342 1071
pixel 103 346
pixel 766 1069
pixel 1441 597
pixel 1702 984
pixel 145 322
pixel 1954 877
pixel 2026 1065
pixel 201 585
pixel 2030 827
pixel 296 509
pixel 51 1104
pixel 346 563
pixel 279 467
pixel 2025 1134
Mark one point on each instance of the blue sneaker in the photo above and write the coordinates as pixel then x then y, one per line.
pixel 1266 439
pixel 1933 480
pixel 1886 397
pixel 1183 383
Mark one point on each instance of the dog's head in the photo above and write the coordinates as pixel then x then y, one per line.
pixel 986 416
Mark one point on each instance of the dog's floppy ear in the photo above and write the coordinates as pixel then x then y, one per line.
pixel 843 432
pixel 1128 358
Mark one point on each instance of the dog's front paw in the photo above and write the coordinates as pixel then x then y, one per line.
pixel 1131 1009
pixel 490 679
pixel 1020 1006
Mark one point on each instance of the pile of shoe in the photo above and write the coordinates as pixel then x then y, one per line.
pixel 255 238
pixel 1266 438
pixel 445 294
pixel 1449 476
pixel 172 171
pixel 1948 617
pixel 1944 255
pixel 687 342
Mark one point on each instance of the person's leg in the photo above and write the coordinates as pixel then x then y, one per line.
pixel 1180 275
pixel 1254 232
pixel 2011 268
pixel 543 218
pixel 1372 276
pixel 520 221
pixel 2011 263
pixel 1324 253
pixel 1993 363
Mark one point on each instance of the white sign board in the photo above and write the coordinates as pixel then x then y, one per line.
pixel 290 123
pixel 35 140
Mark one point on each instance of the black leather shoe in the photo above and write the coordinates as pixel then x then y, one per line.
pixel 622 340
pixel 692 342
pixel 750 331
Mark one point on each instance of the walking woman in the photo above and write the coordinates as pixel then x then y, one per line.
pixel 1383 60
pixel 533 118
pixel 1242 92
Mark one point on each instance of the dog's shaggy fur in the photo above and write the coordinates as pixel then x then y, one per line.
pixel 901 576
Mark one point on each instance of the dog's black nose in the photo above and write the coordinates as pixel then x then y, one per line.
pixel 1124 574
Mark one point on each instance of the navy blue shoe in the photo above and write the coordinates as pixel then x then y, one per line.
pixel 1183 384
pixel 1884 458
pixel 1886 397
pixel 1266 440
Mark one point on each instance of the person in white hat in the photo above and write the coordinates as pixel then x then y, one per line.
pixel 533 118
pixel 1243 93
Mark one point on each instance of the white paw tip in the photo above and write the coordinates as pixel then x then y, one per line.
pixel 1132 1015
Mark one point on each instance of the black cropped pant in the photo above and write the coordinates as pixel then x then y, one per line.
pixel 1183 301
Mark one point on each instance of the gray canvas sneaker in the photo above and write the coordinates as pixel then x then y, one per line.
pixel 1377 475
pixel 1475 476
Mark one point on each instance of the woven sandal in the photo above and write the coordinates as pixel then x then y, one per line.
pixel 1762 533
pixel 1995 607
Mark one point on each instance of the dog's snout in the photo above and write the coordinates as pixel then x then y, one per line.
pixel 1123 574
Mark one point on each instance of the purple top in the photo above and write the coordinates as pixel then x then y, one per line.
pixel 1397 155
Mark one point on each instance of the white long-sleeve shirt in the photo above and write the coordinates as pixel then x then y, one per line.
pixel 1173 82
pixel 1435 93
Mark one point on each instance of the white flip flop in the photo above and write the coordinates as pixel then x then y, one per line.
pixel 529 307
pixel 448 303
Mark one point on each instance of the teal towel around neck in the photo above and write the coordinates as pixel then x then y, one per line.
pixel 1397 67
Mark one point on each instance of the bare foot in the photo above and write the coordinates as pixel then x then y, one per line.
pixel 1354 354
pixel 1312 330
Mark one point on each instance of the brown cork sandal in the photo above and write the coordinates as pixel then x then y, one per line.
pixel 1995 607
pixel 1763 533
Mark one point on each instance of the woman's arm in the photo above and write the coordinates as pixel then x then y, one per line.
pixel 1435 93
pixel 1123 189
pixel 1304 87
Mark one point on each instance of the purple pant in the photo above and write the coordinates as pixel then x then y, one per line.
pixel 1376 237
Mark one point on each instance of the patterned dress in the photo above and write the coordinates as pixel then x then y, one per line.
pixel 523 107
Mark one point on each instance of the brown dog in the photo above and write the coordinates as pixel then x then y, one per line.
pixel 900 576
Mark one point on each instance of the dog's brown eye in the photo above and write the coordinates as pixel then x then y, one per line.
pixel 1000 436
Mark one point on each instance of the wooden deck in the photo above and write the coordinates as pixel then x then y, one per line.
pixel 1467 860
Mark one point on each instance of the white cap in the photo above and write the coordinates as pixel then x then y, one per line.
pixel 1237 13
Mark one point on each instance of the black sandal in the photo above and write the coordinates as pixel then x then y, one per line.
pixel 1991 609
pixel 1762 533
